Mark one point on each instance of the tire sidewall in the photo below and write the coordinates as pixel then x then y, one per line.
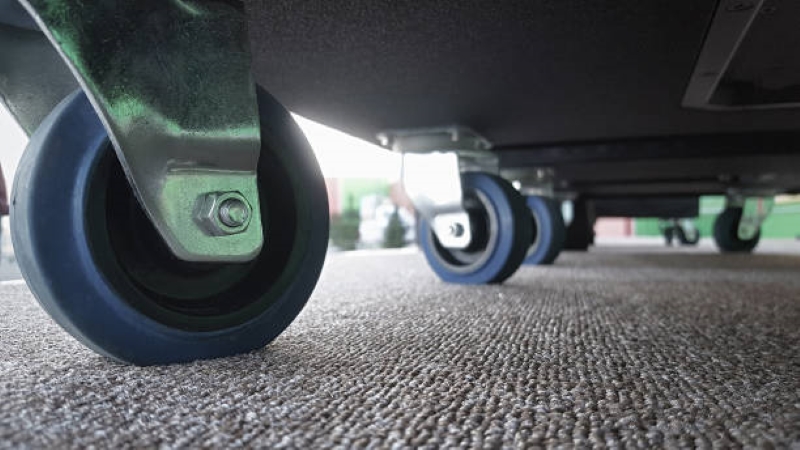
pixel 726 229
pixel 48 226
pixel 506 256
pixel 550 231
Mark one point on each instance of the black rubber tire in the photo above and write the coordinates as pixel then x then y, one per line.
pixel 549 231
pixel 501 230
pixel 669 235
pixel 686 240
pixel 13 13
pixel 580 232
pixel 99 268
pixel 726 233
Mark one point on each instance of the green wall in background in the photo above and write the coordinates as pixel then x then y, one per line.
pixel 356 188
pixel 783 223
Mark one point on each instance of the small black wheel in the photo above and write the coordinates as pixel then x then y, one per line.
pixel 549 231
pixel 100 269
pixel 687 238
pixel 726 233
pixel 501 234
pixel 580 232
pixel 669 235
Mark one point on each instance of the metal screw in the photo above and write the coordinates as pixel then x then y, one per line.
pixel 234 212
pixel 740 6
pixel 223 213
pixel 456 230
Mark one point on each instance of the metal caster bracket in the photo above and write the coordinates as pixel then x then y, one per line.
pixel 433 159
pixel 755 210
pixel 171 82
pixel 532 180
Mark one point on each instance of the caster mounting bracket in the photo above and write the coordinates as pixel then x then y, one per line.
pixel 433 159
pixel 171 81
pixel 755 211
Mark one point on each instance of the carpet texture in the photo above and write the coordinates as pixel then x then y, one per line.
pixel 606 348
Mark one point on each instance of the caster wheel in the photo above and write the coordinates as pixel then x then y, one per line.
pixel 726 233
pixel 687 239
pixel 501 234
pixel 98 266
pixel 669 236
pixel 580 232
pixel 549 231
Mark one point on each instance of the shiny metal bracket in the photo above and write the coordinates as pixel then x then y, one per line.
pixel 433 160
pixel 755 210
pixel 532 180
pixel 748 60
pixel 170 79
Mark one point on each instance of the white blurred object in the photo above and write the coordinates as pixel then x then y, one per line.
pixel 341 155
pixel 13 141
pixel 375 212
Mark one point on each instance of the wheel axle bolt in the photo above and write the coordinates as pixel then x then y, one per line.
pixel 456 230
pixel 234 213
pixel 223 213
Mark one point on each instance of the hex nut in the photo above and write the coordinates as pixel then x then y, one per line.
pixel 208 213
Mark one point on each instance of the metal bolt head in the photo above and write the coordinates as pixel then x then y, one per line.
pixel 740 6
pixel 234 212
pixel 223 213
pixel 456 230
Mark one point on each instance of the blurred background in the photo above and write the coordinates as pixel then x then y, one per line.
pixel 370 211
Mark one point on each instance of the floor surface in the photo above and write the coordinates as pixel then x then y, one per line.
pixel 620 346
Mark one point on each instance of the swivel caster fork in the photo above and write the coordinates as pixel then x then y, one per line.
pixel 474 227
pixel 193 215
pixel 738 227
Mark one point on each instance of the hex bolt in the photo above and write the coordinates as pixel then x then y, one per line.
pixel 234 212
pixel 223 213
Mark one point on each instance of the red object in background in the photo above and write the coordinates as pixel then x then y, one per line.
pixel 400 198
pixel 613 227
pixel 3 195
pixel 334 203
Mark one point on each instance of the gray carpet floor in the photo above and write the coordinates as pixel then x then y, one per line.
pixel 618 348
